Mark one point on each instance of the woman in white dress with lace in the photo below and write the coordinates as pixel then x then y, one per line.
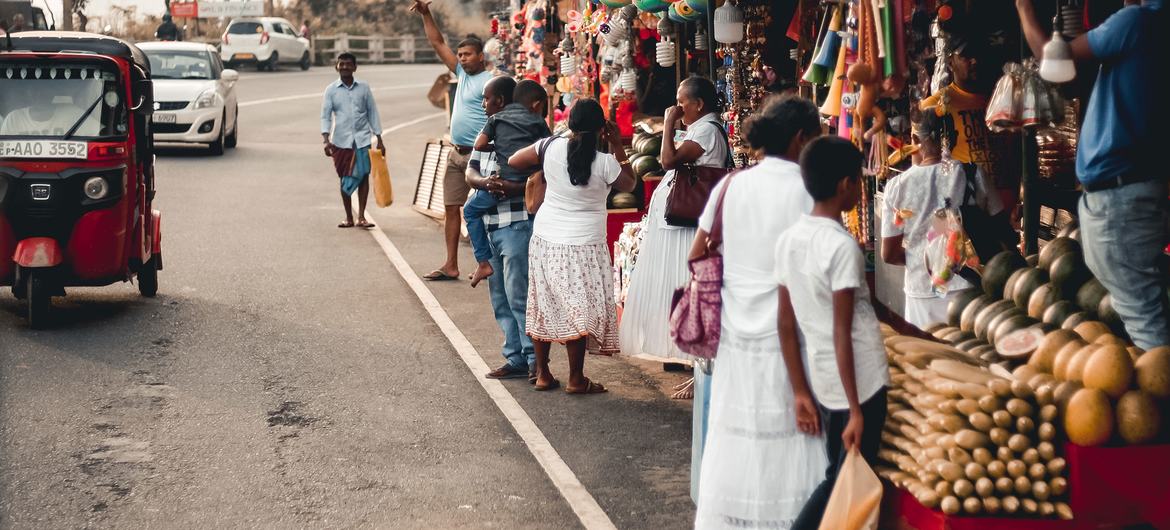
pixel 662 260
pixel 758 468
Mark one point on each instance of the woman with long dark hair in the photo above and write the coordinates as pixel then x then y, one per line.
pixel 570 280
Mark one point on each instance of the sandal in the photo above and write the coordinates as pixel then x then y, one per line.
pixel 346 224
pixel 532 377
pixel 543 388
pixel 439 276
pixel 364 224
pixel 590 388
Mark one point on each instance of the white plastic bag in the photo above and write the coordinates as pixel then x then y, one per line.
pixel 857 497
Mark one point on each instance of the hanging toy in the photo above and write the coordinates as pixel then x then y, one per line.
pixel 700 6
pixel 652 6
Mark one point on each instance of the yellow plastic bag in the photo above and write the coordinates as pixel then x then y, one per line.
pixel 857 497
pixel 380 178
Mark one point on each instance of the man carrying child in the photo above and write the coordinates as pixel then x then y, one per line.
pixel 823 293
pixel 520 124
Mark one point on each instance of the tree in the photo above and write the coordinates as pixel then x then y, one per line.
pixel 79 8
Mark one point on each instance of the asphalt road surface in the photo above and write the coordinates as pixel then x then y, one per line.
pixel 288 376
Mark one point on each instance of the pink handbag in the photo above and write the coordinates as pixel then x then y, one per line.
pixel 696 311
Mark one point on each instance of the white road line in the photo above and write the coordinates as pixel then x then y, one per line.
pixel 320 94
pixel 590 514
pixel 415 121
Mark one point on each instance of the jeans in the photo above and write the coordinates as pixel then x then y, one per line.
pixel 477 206
pixel 1123 232
pixel 508 288
pixel 873 414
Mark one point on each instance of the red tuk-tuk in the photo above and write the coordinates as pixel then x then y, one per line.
pixel 76 167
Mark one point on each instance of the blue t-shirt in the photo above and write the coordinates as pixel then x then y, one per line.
pixel 1119 131
pixel 467 115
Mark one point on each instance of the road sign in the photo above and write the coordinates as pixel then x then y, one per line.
pixel 238 8
pixel 184 9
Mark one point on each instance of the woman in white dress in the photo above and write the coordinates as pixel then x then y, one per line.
pixel 758 468
pixel 570 278
pixel 662 260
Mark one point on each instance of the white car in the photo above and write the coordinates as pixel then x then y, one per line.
pixel 264 42
pixel 194 95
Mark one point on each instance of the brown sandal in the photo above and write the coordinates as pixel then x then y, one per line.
pixel 590 388
pixel 543 388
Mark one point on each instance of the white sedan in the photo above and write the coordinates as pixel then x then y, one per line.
pixel 194 95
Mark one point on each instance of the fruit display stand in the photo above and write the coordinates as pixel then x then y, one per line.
pixel 1109 487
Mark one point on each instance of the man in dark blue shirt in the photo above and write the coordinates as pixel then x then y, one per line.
pixel 1123 209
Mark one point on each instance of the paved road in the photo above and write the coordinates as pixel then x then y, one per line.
pixel 287 376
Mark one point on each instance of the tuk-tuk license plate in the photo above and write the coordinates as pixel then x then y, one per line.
pixel 43 149
pixel 165 118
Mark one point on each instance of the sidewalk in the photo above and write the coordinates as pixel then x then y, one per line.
pixel 633 435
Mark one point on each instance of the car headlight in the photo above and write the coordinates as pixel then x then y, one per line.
pixel 96 188
pixel 206 100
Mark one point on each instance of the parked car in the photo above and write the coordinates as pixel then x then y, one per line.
pixel 264 42
pixel 194 95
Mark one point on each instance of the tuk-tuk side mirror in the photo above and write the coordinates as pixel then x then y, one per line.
pixel 143 96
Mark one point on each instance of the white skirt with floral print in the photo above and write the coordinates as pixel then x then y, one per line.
pixel 570 294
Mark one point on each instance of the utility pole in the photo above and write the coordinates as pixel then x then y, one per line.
pixel 66 15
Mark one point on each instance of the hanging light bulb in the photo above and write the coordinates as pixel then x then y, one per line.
pixel 701 40
pixel 664 52
pixel 729 23
pixel 1056 65
pixel 629 80
pixel 568 65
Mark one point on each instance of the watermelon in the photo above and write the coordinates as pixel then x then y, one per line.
pixel 1069 273
pixel 1055 249
pixel 943 331
pixel 1108 315
pixel 1090 294
pixel 971 312
pixel 645 165
pixel 1075 320
pixel 1019 344
pixel 1031 280
pixel 992 311
pixel 993 324
pixel 1057 313
pixel 1009 288
pixel 651 146
pixel 959 301
pixel 959 336
pixel 969 344
pixel 935 327
pixel 1041 299
pixel 1008 326
pixel 623 200
pixel 1032 260
pixel 997 271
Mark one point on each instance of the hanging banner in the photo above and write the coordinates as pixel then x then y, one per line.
pixel 243 8
pixel 184 9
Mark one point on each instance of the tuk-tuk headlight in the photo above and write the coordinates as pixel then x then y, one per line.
pixel 96 188
pixel 206 100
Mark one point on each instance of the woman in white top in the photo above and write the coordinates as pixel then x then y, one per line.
pixel 662 260
pixel 758 468
pixel 570 279
pixel 910 199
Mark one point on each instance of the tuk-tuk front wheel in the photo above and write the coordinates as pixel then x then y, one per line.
pixel 148 277
pixel 39 299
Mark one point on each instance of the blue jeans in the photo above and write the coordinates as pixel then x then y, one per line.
pixel 477 206
pixel 508 287
pixel 1123 232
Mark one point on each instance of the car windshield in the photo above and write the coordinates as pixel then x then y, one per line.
pixel 47 100
pixel 246 28
pixel 168 64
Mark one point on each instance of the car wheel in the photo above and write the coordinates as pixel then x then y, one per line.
pixel 272 62
pixel 234 138
pixel 148 277
pixel 218 144
pixel 306 62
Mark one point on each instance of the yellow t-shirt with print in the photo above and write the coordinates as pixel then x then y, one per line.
pixel 964 116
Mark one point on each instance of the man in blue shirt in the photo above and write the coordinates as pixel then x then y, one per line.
pixel 467 120
pixel 1123 208
pixel 349 112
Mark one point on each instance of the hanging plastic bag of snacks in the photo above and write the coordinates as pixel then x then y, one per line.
pixel 948 249
pixel 1004 110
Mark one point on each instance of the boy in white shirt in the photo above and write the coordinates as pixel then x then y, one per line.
pixel 823 294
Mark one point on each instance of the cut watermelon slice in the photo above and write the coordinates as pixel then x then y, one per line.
pixel 1019 344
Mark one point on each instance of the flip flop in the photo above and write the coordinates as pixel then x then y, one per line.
pixel 590 388
pixel 551 386
pixel 365 224
pixel 346 224
pixel 439 276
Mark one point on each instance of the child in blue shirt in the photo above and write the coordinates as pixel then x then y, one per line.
pixel 519 125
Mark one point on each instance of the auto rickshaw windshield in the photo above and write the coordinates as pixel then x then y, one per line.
pixel 60 100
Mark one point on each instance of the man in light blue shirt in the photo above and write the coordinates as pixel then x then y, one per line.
pixel 467 120
pixel 349 112
pixel 1121 164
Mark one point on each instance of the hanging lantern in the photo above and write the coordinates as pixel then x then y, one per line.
pixel 665 52
pixel 729 23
